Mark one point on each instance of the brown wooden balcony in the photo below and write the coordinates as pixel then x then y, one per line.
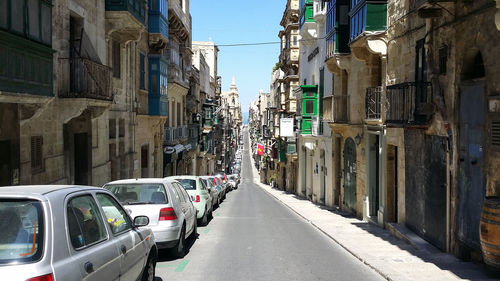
pixel 88 79
pixel 373 104
pixel 335 109
pixel 409 103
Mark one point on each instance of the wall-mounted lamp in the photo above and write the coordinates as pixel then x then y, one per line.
pixel 358 138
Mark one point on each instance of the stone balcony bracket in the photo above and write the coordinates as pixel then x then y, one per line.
pixel 74 107
pixel 157 42
pixel 368 45
pixel 308 33
pixel 338 63
pixel 124 27
pixel 30 106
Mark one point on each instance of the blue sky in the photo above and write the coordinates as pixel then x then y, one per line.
pixel 232 22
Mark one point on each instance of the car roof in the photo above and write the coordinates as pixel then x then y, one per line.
pixel 142 180
pixel 184 177
pixel 33 190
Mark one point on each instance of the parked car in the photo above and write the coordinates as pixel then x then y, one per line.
pixel 234 180
pixel 223 186
pixel 203 199
pixel 172 215
pixel 71 233
pixel 214 190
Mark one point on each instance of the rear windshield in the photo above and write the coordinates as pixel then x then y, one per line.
pixel 132 194
pixel 187 184
pixel 21 231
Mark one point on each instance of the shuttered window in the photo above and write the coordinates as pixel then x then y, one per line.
pixel 116 59
pixel 495 133
pixel 142 71
pixel 36 154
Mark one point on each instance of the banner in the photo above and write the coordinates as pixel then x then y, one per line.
pixel 286 127
pixel 260 149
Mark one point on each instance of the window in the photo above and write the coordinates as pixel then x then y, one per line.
pixel 139 193
pixel 309 107
pixel 112 128
pixel 188 184
pixel 85 225
pixel 116 217
pixel 36 153
pixel 142 71
pixel 30 18
pixel 177 193
pixel 121 128
pixel 21 231
pixel 116 59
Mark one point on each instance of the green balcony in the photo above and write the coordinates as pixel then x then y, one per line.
pixel 25 66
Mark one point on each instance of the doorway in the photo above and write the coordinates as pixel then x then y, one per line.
pixel 81 160
pixel 350 174
pixel 5 163
pixel 322 184
pixel 392 183
pixel 373 179
pixel 145 161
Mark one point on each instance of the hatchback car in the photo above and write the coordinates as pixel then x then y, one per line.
pixel 71 233
pixel 214 190
pixel 172 216
pixel 202 198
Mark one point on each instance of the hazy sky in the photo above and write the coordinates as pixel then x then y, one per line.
pixel 233 22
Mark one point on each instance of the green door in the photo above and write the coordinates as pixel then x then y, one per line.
pixel 350 174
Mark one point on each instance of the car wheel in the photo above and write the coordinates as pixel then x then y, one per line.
pixel 194 234
pixel 179 249
pixel 149 270
pixel 204 219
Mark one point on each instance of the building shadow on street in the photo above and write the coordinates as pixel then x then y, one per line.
pixel 462 269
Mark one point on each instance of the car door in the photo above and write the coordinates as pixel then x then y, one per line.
pixel 183 205
pixel 189 204
pixel 205 192
pixel 94 256
pixel 132 246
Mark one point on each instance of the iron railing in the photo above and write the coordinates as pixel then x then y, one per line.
pixel 88 79
pixel 405 101
pixel 373 102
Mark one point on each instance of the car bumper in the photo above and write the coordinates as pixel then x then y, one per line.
pixel 166 238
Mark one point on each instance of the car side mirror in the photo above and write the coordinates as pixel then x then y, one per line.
pixel 141 221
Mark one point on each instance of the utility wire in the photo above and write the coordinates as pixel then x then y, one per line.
pixel 259 43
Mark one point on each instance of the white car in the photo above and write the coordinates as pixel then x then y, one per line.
pixel 171 213
pixel 202 198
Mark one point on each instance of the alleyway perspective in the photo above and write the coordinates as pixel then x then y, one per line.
pixel 405 258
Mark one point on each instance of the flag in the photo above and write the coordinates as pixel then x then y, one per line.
pixel 260 149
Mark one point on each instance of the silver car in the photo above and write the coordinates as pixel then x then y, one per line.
pixel 71 233
pixel 202 198
pixel 171 213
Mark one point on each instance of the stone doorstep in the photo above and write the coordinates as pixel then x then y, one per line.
pixel 405 234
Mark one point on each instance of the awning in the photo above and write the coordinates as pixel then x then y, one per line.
pixel 188 147
pixel 207 130
pixel 179 148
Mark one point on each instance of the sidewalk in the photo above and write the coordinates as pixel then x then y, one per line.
pixel 392 257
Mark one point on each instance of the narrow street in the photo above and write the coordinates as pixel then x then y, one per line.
pixel 254 237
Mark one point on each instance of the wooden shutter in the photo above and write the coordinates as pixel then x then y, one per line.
pixel 36 153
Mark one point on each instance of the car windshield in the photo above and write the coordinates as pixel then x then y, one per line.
pixel 188 184
pixel 21 231
pixel 139 193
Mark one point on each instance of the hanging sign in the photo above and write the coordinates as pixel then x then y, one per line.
pixel 286 127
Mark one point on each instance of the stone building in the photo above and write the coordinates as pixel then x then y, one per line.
pixel 314 142
pixel 289 64
pixel 177 161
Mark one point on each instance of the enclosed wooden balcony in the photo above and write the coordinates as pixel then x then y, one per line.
pixel 335 109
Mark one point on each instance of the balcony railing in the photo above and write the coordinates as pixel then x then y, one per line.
pixel 373 102
pixel 335 109
pixel 409 103
pixel 88 79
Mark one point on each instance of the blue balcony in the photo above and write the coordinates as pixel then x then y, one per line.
pixel 158 17
pixel 136 8
pixel 367 15
pixel 157 96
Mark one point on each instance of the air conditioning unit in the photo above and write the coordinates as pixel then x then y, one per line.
pixel 319 10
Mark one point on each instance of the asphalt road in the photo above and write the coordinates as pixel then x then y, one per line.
pixel 254 237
